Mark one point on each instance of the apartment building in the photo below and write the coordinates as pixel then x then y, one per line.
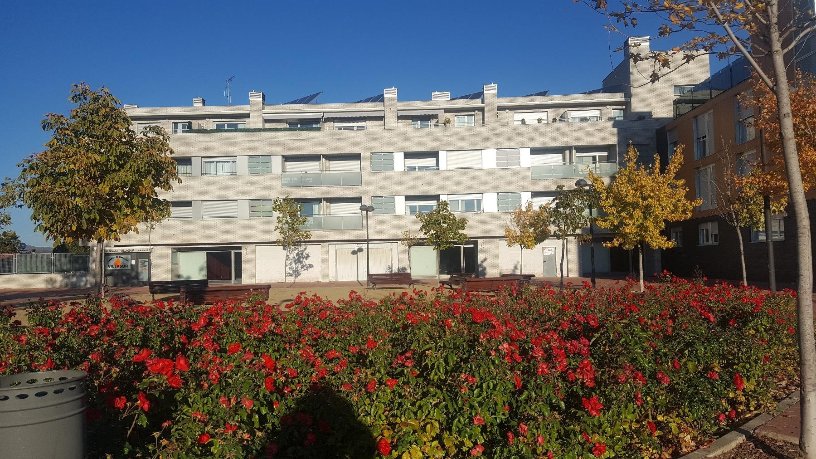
pixel 484 154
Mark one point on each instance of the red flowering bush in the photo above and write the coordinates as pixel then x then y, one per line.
pixel 530 373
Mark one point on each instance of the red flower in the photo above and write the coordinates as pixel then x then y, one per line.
pixel 174 381
pixel 676 364
pixel 371 386
pixel 144 403
pixel 599 449
pixel 652 427
pixel 143 355
pixel 234 348
pixel 371 344
pixel 291 372
pixel 477 450
pixel 384 446
pixel 182 364
pixel 269 383
pixel 663 378
pixel 391 383
pixel 522 429
pixel 120 402
pixel 510 437
pixel 160 366
pixel 269 362
pixel 478 420
pixel 592 405
pixel 738 382
pixel 247 402
pixel 229 428
pixel 203 439
pixel 517 380
pixel 713 375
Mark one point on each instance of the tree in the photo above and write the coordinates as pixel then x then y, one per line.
pixel 640 201
pixel 10 242
pixel 409 239
pixel 768 34
pixel 734 204
pixel 289 226
pixel 442 229
pixel 528 227
pixel 97 179
pixel 568 216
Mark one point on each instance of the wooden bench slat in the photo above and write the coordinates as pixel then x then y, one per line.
pixel 390 279
pixel 215 293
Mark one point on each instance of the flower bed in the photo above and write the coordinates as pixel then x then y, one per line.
pixel 530 373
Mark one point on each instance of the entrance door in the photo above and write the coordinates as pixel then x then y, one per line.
pixel 550 265
pixel 219 266
pixel 423 261
pixel 144 269
pixel 350 264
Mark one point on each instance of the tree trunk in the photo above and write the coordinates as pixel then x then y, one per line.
pixel 100 250
pixel 804 298
pixel 285 263
pixel 563 252
pixel 521 260
pixel 769 243
pixel 640 266
pixel 741 255
pixel 438 258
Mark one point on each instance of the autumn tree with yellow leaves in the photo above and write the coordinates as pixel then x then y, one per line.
pixel 528 227
pixel 640 201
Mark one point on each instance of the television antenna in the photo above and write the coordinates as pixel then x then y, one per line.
pixel 228 90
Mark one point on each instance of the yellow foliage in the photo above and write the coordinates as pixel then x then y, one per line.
pixel 640 200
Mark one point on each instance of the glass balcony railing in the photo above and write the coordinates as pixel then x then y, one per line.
pixel 303 179
pixel 551 171
pixel 334 222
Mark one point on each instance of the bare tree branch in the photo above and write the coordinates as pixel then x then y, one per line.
pixel 761 73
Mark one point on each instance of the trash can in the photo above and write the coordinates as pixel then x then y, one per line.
pixel 42 415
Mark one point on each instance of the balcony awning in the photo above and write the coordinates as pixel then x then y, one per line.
pixel 292 116
pixel 419 112
pixel 358 114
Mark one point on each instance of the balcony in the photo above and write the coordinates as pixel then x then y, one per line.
pixel 554 171
pixel 306 179
pixel 334 222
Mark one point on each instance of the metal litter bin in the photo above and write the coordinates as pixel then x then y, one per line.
pixel 42 415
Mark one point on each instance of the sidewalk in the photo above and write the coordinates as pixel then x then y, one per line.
pixel 784 426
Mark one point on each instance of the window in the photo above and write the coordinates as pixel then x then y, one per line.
pixel 671 139
pixel 745 162
pixel 309 208
pixel 422 123
pixel 350 125
pixel 530 118
pixel 218 166
pixel 543 198
pixel 677 236
pixel 617 114
pixel 230 126
pixel 424 161
pixel 584 116
pixel 219 209
pixel 260 208
pixel 709 234
pixel 420 204
pixel 508 157
pixel 342 163
pixel 509 202
pixel 180 127
pixel 184 166
pixel 381 162
pixel 181 209
pixel 591 157
pixel 464 121
pixel 383 205
pixel 260 165
pixel 344 206
pixel 306 163
pixel 465 202
pixel 777 230
pixel 703 135
pixel 745 123
pixel 547 156
pixel 684 89
pixel 300 124
pixel 704 186
pixel 464 159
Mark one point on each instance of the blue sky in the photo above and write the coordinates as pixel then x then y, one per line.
pixel 164 53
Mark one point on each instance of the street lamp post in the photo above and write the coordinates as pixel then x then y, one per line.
pixel 367 210
pixel 581 183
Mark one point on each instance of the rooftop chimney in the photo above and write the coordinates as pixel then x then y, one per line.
pixel 490 94
pixel 256 105
pixel 130 106
pixel 637 45
pixel 390 107
pixel 198 102
pixel 440 95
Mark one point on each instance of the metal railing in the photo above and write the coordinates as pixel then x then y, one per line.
pixel 43 263
pixel 334 222
pixel 551 171
pixel 304 179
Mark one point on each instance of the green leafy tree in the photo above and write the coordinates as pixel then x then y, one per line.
pixel 528 227
pixel 10 242
pixel 769 34
pixel 442 229
pixel 569 215
pixel 640 201
pixel 289 226
pixel 97 179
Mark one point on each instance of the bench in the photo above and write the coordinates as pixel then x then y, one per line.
pixel 390 279
pixel 527 277
pixel 456 280
pixel 174 286
pixel 491 284
pixel 214 293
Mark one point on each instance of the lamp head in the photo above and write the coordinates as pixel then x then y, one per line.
pixel 581 183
